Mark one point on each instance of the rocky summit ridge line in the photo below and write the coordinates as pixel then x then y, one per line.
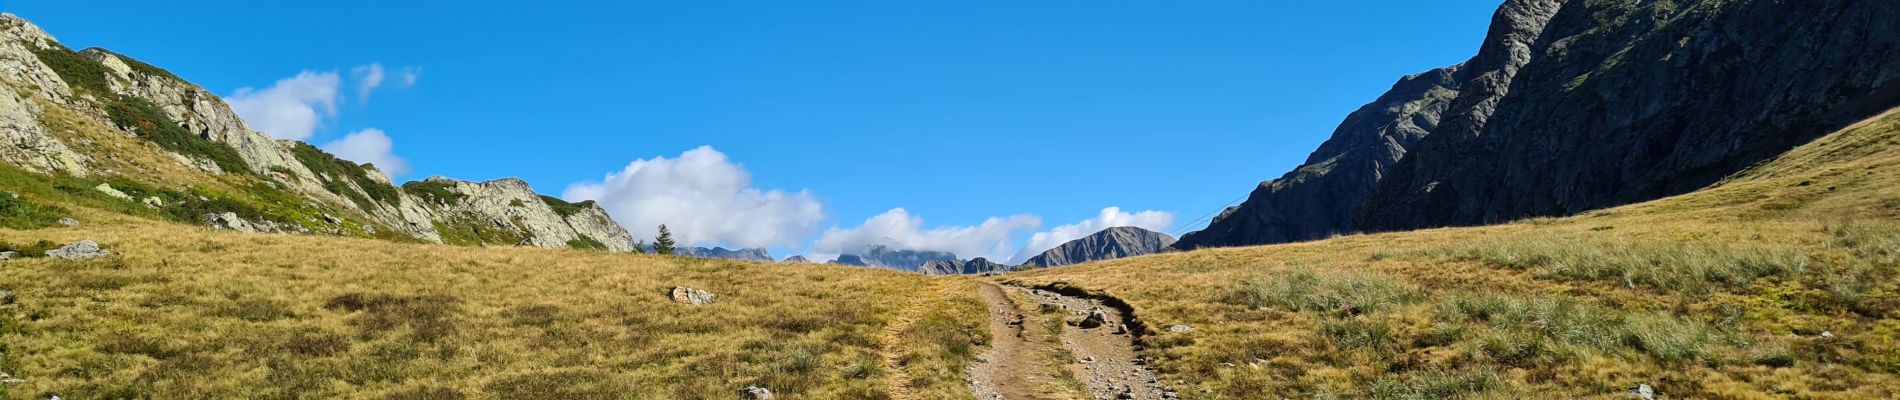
pixel 1577 105
pixel 99 115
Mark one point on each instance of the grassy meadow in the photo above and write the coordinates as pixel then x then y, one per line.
pixel 185 312
pixel 1778 283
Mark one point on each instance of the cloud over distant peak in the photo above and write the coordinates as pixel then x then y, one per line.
pixel 1110 217
pixel 703 198
pixel 897 228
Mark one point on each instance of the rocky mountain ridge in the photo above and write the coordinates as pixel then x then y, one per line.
pixel 1576 105
pixel 98 115
pixel 1111 243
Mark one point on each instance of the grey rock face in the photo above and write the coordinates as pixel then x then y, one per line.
pixel 796 259
pixel 1111 243
pixel 1660 100
pixel 692 296
pixel 80 250
pixel 513 206
pixel 1318 199
pixel 1571 105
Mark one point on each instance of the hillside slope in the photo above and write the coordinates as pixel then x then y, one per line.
pixel 1780 282
pixel 179 152
pixel 1577 105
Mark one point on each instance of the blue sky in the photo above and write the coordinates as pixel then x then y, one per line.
pixel 1027 116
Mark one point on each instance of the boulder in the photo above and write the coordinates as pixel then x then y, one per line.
pixel 115 193
pixel 682 294
pixel 1095 319
pixel 229 220
pixel 84 249
pixel 1643 391
pixel 754 392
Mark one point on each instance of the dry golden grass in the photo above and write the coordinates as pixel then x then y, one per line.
pixel 1722 293
pixel 185 312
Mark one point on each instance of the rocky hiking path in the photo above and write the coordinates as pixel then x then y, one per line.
pixel 1095 349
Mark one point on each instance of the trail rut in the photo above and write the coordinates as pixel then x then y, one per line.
pixel 1100 355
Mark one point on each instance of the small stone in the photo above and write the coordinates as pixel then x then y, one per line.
pixel 8 255
pixel 1643 391
pixel 153 202
pixel 68 221
pixel 682 294
pixel 6 297
pixel 1827 334
pixel 754 392
pixel 80 250
pixel 1178 328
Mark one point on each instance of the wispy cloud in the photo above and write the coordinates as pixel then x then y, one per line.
pixel 368 78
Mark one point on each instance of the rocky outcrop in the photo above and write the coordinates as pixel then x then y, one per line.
pixel 141 100
pixel 1109 244
pixel 796 260
pixel 1319 199
pixel 682 294
pixel 80 250
pixel 509 208
pixel 721 252
pixel 1625 102
pixel 1573 105
pixel 24 141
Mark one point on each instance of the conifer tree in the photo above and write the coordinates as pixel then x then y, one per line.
pixel 664 243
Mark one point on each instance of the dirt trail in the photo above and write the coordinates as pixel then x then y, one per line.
pixel 1102 344
pixel 1002 372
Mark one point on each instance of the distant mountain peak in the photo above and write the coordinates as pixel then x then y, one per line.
pixel 1111 243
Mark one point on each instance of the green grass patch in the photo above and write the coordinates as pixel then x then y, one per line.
pixel 434 191
pixel 565 208
pixel 19 213
pixel 1346 293
pixel 335 171
pixel 586 243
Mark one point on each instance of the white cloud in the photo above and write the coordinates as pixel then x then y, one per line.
pixel 410 75
pixel 370 146
pixel 1109 218
pixel 704 199
pixel 292 108
pixel 368 78
pixel 897 228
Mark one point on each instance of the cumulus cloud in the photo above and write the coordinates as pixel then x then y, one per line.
pixel 368 78
pixel 291 108
pixel 409 75
pixel 370 146
pixel 703 198
pixel 898 229
pixel 1109 218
